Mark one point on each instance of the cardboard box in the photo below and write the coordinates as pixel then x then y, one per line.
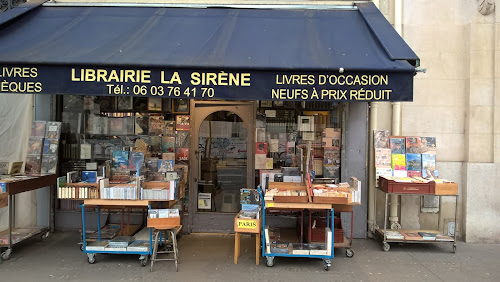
pixel 246 225
pixel 164 223
pixel 449 188
pixel 4 200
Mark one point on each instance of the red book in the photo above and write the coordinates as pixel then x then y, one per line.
pixel 261 148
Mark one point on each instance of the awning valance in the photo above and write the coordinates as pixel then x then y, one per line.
pixel 209 53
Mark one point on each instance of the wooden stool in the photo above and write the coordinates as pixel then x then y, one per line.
pixel 237 236
pixel 172 234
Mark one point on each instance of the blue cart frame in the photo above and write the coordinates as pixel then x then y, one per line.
pixel 270 256
pixel 91 254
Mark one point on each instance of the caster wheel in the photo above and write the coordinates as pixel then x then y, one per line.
pixel 269 261
pixel 349 253
pixel 454 248
pixel 81 247
pixel 386 247
pixel 91 258
pixel 327 264
pixel 6 254
pixel 45 236
pixel 144 261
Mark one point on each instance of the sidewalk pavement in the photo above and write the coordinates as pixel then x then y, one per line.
pixel 210 258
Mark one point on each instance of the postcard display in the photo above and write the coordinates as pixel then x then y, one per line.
pixel 129 142
pixel 407 165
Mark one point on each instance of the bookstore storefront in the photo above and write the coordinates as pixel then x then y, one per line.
pixel 225 94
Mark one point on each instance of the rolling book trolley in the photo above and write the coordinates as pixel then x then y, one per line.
pixel 99 204
pixel 391 187
pixel 270 256
pixel 14 235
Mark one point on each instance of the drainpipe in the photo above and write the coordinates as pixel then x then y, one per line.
pixel 372 175
pixel 396 116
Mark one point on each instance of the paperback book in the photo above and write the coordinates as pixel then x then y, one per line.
pixel 397 146
pixel 168 144
pixel 168 156
pixel 182 122
pixel 124 103
pixel 169 128
pixel 33 164
pixel 35 146
pixel 398 162
pixel 426 236
pixel 331 156
pixel 414 162
pixel 381 139
pixel 155 104
pixel 181 154
pixel 182 139
pixel 38 128
pixel 152 164
pixel 53 129
pixel 89 176
pixel 50 146
pixel 120 159
pixel 428 165
pixel 49 164
pixel 166 165
pixel 413 145
pixel 382 157
pixel 156 125
pixel 141 124
pixel 428 145
pixel 115 125
pixel 156 145
pixel 136 161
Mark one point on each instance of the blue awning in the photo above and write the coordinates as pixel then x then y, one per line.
pixel 80 50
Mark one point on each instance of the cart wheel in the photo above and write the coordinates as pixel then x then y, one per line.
pixel 6 254
pixel 386 247
pixel 270 261
pixel 349 253
pixel 144 261
pixel 327 264
pixel 454 248
pixel 45 236
pixel 91 258
pixel 81 247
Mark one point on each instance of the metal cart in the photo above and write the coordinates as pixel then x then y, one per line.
pixel 284 206
pixel 30 183
pixel 114 203
pixel 383 233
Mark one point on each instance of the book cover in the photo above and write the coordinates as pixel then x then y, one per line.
pixel 182 122
pixel 136 161
pixel 413 145
pixel 15 167
pixel 152 164
pixel 168 144
pixel 428 163
pixel 331 133
pixel 156 125
pixel 382 157
pixel 140 103
pixel 383 171
pixel 444 238
pixel 413 173
pixel 141 124
pixel 89 103
pixel 38 128
pixel 156 145
pixel 33 164
pixel 331 171
pixel 414 162
pixel 124 103
pixel 412 236
pixel 182 139
pixel 86 151
pixel 398 162
pixel 394 235
pixel 106 103
pixel 400 173
pixel 428 145
pixel 168 156
pixel 35 146
pixel 166 165
pixel 427 236
pixel 89 176
pixel 155 104
pixel 261 148
pixel 115 126
pixel 381 139
pixel 120 159
pixel 50 146
pixel 4 168
pixel 331 156
pixel 329 142
pixel 53 129
pixel 397 145
pixel 49 164
pixel 260 161
pixel 156 176
pixel 181 154
pixel 169 128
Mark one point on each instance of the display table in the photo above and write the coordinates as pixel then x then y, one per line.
pixel 16 185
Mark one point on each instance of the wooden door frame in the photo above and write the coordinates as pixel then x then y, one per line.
pixel 200 110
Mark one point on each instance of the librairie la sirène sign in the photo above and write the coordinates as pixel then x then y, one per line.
pixel 208 84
